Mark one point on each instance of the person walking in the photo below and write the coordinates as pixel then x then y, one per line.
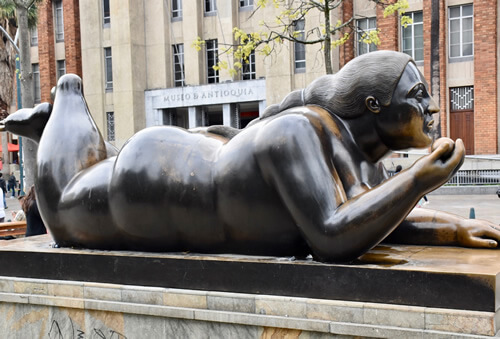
pixel 12 184
pixel 3 186
pixel 34 222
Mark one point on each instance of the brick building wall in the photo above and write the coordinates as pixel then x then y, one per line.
pixel 73 51
pixel 485 77
pixel 347 49
pixel 46 49
pixel 389 27
pixel 47 44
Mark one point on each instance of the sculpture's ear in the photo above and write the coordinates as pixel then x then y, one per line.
pixel 372 104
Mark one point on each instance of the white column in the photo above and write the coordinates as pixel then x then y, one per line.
pixel 262 107
pixel 226 114
pixel 193 114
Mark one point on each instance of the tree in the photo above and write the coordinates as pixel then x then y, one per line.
pixel 285 28
pixel 25 18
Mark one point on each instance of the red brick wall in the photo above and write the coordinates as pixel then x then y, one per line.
pixel 46 52
pixel 485 77
pixel 388 27
pixel 72 37
pixel 347 49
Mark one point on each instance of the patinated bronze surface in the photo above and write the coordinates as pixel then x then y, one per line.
pixel 303 179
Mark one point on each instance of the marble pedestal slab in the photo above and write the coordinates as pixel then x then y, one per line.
pixel 391 291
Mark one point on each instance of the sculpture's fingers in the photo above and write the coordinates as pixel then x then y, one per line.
pixel 480 242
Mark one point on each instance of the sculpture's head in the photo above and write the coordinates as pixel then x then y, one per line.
pixel 387 84
pixel 28 122
pixel 407 121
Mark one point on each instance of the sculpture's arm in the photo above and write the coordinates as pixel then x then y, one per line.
pixel 297 160
pixel 430 227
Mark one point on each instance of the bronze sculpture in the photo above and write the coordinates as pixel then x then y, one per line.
pixel 304 178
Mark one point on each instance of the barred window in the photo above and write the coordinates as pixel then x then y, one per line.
pixel 462 98
pixel 110 125
pixel 246 3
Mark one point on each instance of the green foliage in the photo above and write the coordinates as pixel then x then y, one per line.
pixel 8 11
pixel 283 29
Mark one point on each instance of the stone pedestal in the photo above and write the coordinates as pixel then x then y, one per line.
pixel 393 291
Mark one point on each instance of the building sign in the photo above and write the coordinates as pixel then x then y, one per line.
pixel 214 94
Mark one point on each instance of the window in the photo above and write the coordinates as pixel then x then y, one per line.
pixel 34 36
pixel 248 67
pixel 210 7
pixel 413 37
pixel 35 68
pixel 178 51
pixel 106 18
pixel 299 48
pixel 177 9
pixel 61 68
pixel 246 4
pixel 364 27
pixel 58 9
pixel 461 31
pixel 108 68
pixel 212 59
pixel 110 125
pixel 461 98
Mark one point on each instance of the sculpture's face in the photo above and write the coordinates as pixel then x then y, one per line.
pixel 407 122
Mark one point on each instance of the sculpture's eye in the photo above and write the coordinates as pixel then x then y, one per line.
pixel 419 95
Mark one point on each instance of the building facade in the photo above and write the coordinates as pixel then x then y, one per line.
pixel 55 45
pixel 140 69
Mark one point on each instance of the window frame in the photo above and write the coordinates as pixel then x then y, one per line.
pixel 248 71
pixel 210 7
pixel 37 91
pixel 106 19
pixel 412 25
pixel 359 43
pixel 34 36
pixel 178 60
pixel 460 19
pixel 110 126
pixel 176 10
pixel 299 48
pixel 211 47
pixel 246 5
pixel 108 59
pixel 59 68
pixel 59 20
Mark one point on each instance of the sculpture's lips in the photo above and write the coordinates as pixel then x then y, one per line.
pixel 430 124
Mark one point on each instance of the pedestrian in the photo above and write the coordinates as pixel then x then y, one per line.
pixel 12 184
pixel 2 210
pixel 34 223
pixel 3 186
pixel 498 192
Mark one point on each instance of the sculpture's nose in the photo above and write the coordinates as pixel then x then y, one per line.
pixel 433 106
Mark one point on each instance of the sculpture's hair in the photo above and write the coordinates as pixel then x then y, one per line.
pixel 344 93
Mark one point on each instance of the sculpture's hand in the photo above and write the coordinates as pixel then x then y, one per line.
pixel 478 233
pixel 438 167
